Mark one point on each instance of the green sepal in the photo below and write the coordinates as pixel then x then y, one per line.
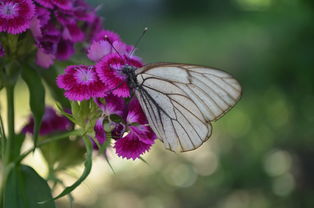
pixel 115 118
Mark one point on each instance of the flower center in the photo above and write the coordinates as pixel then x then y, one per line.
pixel 9 10
pixel 85 76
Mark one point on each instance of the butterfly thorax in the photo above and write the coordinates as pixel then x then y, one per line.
pixel 129 71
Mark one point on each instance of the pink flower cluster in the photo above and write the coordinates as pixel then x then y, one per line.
pixel 106 84
pixel 51 123
pixel 56 25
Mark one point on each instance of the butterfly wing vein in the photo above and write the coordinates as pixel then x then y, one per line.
pixel 180 101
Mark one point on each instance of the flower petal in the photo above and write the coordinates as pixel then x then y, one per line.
pixel 131 147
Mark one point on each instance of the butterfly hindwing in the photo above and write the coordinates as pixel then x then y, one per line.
pixel 181 100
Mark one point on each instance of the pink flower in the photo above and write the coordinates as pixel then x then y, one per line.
pixel 73 33
pixel 81 83
pixel 107 42
pixel 140 137
pixel 59 25
pixel 45 3
pixel 111 105
pixel 15 15
pixel 62 4
pixel 93 28
pixel 101 48
pixel 109 70
pixel 43 15
pixel 103 34
pixel 100 133
pixel 65 50
pixel 82 11
pixel 51 123
pixel 98 50
pixel 130 147
pixel 44 59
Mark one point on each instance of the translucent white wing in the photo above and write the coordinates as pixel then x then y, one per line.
pixel 181 100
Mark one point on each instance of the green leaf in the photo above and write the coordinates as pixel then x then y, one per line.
pixel 2 137
pixel 26 189
pixel 36 97
pixel 58 159
pixel 87 169
pixel 50 77
pixel 16 148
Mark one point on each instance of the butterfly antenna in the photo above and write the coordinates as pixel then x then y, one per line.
pixel 138 41
pixel 109 41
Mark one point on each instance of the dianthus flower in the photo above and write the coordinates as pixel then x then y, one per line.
pixel 109 70
pixel 109 105
pixel 59 25
pixel 140 136
pixel 107 42
pixel 51 123
pixel 62 4
pixel 16 15
pixel 81 83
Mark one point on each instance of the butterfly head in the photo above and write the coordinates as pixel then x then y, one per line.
pixel 129 71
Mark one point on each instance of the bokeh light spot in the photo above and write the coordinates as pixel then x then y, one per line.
pixel 283 185
pixel 254 4
pixel 180 175
pixel 277 163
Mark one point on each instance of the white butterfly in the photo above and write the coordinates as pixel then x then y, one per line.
pixel 181 100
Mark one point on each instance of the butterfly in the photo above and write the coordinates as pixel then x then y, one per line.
pixel 181 100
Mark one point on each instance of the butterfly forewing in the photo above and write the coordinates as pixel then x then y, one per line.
pixel 180 100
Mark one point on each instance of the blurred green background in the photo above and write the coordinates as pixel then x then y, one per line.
pixel 261 154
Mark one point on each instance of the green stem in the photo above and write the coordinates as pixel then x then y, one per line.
pixel 10 139
pixel 11 129
pixel 47 141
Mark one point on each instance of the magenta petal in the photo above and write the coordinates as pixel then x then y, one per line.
pixel 144 133
pixel 73 33
pixel 100 133
pixel 109 70
pixel 45 3
pixel 16 15
pixel 81 83
pixel 112 36
pixel 36 28
pixel 65 50
pixel 98 50
pixel 43 59
pixel 130 147
pixel 120 47
pixel 136 114
pixel 63 4
pixel 51 123
pixel 43 15
pixel 94 27
pixel 123 91
pixel 111 105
